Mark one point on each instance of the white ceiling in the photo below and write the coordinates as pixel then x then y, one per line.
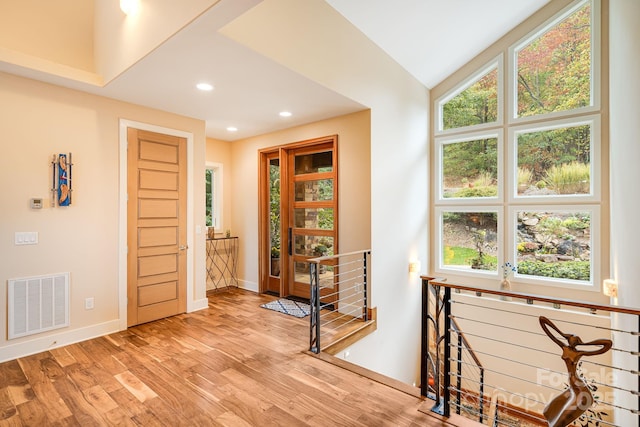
pixel 429 38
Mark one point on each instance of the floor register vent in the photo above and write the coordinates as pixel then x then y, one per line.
pixel 37 304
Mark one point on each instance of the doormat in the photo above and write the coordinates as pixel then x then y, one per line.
pixel 287 306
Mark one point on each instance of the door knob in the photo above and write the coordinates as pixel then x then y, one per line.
pixel 183 247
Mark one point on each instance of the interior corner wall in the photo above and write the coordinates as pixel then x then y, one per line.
pixel 39 120
pixel 314 40
pixel 624 90
pixel 120 40
pixel 58 31
pixel 354 193
pixel 220 152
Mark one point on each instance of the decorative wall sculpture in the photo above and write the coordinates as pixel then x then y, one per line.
pixel 61 186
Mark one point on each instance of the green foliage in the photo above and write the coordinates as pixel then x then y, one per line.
pixel 459 255
pixel 577 222
pixel 475 105
pixel 208 197
pixel 524 177
pixel 575 270
pixel 320 250
pixel 275 252
pixel 527 247
pixel 569 178
pixel 274 207
pixel 476 192
pixel 325 219
pixel 466 161
pixel 554 70
pixel 540 151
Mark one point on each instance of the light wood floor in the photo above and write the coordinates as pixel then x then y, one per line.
pixel 234 364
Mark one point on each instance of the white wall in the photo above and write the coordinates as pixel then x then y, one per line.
pixel 313 39
pixel 624 51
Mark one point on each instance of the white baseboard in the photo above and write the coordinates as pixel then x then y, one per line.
pixel 249 286
pixel 49 342
pixel 196 305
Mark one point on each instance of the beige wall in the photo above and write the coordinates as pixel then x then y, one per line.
pixel 121 41
pixel 58 31
pixel 37 121
pixel 314 40
pixel 354 202
pixel 219 152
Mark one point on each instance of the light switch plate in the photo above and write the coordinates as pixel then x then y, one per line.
pixel 26 238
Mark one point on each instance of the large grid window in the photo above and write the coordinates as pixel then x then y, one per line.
pixel 524 189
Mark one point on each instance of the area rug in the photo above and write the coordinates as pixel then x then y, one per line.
pixel 287 306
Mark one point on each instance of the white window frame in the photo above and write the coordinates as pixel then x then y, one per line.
pixel 512 102
pixel 497 63
pixel 594 155
pixel 441 142
pixel 217 198
pixel 512 250
pixel 508 203
pixel 439 240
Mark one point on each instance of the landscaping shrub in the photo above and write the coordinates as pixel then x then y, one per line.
pixel 477 192
pixel 569 178
pixel 574 270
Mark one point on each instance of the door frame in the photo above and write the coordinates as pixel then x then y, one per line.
pixel 263 201
pixel 122 215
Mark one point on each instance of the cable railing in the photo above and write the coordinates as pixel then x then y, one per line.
pixel 531 360
pixel 339 297
pixel 469 395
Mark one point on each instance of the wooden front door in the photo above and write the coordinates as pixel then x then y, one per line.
pixel 312 213
pixel 156 226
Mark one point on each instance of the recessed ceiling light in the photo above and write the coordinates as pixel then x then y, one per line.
pixel 204 86
pixel 232 129
pixel 285 114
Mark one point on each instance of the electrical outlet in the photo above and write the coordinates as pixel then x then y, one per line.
pixel 88 304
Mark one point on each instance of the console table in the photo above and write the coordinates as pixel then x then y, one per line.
pixel 222 262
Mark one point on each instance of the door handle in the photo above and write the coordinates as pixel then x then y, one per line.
pixel 183 247
pixel 289 244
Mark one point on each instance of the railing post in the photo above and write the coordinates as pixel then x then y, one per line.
pixel 365 284
pixel 446 397
pixel 459 371
pixel 314 309
pixel 481 395
pixel 424 340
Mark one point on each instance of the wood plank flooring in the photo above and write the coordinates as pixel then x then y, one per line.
pixel 233 364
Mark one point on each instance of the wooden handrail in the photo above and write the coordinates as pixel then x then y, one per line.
pixel 525 296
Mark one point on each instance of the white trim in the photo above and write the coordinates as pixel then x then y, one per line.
pixel 512 101
pixel 122 228
pixel 468 137
pixel 439 239
pixel 496 63
pixel 51 341
pixel 596 225
pixel 594 155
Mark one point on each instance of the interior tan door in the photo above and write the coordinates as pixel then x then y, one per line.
pixel 156 228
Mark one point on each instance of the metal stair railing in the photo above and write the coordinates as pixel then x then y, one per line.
pixel 339 299
pixel 519 360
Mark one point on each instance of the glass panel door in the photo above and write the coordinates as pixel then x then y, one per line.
pixel 312 214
